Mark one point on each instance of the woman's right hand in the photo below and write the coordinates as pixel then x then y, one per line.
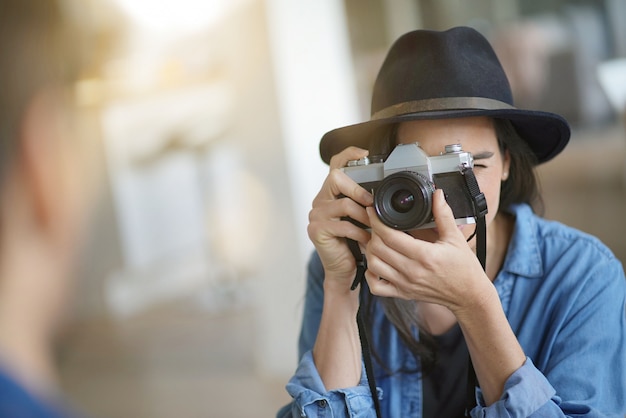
pixel 337 352
pixel 339 197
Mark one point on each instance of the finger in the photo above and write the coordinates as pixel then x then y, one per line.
pixel 321 232
pixel 397 240
pixel 338 209
pixel 339 183
pixel 351 153
pixel 444 218
pixel 349 230
pixel 381 287
pixel 380 267
pixel 384 260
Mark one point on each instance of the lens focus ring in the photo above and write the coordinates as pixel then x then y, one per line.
pixel 403 200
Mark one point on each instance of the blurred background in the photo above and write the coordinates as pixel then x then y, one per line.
pixel 209 113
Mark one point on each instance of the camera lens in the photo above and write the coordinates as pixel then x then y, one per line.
pixel 403 200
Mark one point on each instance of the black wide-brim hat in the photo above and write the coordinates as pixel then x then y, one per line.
pixel 437 75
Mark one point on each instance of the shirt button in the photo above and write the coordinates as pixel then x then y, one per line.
pixel 322 403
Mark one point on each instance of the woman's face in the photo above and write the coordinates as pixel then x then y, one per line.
pixel 477 136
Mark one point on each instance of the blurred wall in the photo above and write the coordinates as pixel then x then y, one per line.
pixel 313 76
pixel 210 157
pixel 210 139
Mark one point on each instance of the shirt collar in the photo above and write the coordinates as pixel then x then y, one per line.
pixel 524 255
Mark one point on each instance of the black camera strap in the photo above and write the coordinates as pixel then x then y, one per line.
pixel 479 204
pixel 361 263
pixel 365 350
pixel 359 279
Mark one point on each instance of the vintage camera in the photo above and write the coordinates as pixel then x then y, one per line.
pixel 404 183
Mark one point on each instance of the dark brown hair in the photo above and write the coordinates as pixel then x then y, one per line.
pixel 522 184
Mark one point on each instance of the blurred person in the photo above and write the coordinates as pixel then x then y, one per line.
pixel 44 184
pixel 533 327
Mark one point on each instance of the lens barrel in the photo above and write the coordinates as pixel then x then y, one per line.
pixel 403 200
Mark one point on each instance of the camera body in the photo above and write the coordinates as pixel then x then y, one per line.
pixel 404 183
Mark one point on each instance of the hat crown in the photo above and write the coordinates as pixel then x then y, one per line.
pixel 424 64
pixel 449 74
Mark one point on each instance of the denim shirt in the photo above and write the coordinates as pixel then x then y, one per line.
pixel 564 294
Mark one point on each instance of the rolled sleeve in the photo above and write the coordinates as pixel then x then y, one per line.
pixel 311 399
pixel 526 391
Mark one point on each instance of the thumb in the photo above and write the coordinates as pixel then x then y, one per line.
pixel 444 218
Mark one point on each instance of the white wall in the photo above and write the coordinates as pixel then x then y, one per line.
pixel 315 87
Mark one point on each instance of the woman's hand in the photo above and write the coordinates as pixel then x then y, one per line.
pixel 339 197
pixel 445 272
pixel 337 352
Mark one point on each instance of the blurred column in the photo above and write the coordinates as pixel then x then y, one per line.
pixel 504 10
pixel 314 81
pixel 402 16
pixel 616 12
pixel 444 14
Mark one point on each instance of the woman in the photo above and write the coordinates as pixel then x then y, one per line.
pixel 544 321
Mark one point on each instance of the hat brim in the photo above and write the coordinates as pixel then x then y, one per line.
pixel 546 133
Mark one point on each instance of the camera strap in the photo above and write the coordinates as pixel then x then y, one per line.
pixel 479 204
pixel 361 263
pixel 359 279
pixel 365 349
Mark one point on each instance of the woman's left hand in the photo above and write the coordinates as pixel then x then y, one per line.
pixel 445 272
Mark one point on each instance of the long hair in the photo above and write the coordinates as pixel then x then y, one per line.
pixel 521 186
